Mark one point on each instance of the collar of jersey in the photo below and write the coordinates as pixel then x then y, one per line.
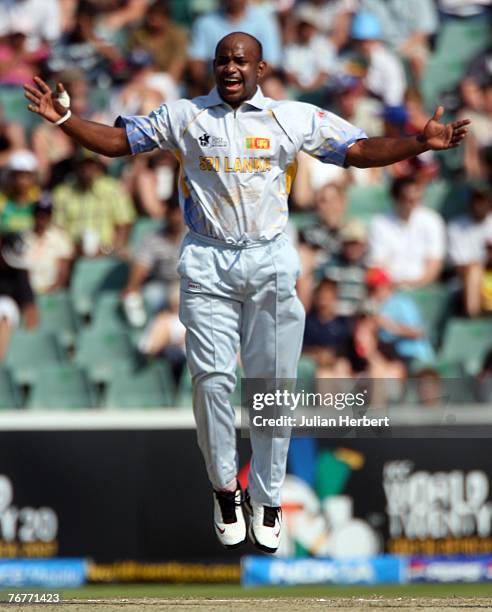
pixel 257 101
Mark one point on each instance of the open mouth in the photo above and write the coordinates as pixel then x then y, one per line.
pixel 232 84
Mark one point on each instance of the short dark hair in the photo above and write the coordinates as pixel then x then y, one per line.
pixel 399 185
pixel 253 38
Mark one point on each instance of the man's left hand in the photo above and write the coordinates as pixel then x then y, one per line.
pixel 439 136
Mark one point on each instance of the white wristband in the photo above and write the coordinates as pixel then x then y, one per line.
pixel 65 117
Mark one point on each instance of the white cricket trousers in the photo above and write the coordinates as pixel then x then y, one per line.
pixel 239 298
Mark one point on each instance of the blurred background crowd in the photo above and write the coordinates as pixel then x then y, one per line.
pixel 396 262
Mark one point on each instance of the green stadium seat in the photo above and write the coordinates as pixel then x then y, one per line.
pixel 467 341
pixel 104 352
pixel 58 317
pixel 93 276
pixel 303 219
pixel 432 303
pixel 151 387
pixel 459 40
pixel 62 387
pixel 306 374
pixel 14 106
pixel 365 201
pixel 107 313
pixel 9 392
pixel 142 228
pixel 29 350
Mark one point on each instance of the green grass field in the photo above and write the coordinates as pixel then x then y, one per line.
pixel 225 591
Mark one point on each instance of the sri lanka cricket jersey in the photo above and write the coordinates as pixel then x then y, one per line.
pixel 237 166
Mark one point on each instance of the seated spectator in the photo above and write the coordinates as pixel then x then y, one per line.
pixel 381 70
pixel 477 75
pixel 478 145
pixel 16 295
pixel 152 181
pixel 310 58
pixel 164 40
pixel 333 18
pixel 18 65
pixel 94 209
pixel 115 15
pixel 399 321
pixel 468 235
pixel 376 362
pixel 49 251
pixel 83 49
pixel 145 90
pixel 409 242
pixel 429 387
pixel 20 194
pixel 407 28
pixel 327 336
pixel 233 16
pixel 348 269
pixel 40 21
pixel 154 267
pixel 320 242
pixel 12 137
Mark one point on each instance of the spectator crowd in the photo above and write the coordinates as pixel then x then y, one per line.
pixel 373 243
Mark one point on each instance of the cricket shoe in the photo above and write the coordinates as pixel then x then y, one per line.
pixel 265 525
pixel 229 522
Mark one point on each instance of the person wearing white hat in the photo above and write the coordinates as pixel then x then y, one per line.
pixel 21 192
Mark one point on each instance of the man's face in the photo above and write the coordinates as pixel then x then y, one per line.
pixel 331 205
pixel 237 68
pixel 410 197
pixel 480 207
pixel 22 181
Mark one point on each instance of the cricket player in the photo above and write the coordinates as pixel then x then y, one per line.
pixel 237 153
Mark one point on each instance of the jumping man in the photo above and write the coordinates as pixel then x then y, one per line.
pixel 237 153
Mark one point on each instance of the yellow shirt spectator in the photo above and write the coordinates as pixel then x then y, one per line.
pixel 93 215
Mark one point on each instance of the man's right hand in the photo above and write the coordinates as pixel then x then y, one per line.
pixel 44 101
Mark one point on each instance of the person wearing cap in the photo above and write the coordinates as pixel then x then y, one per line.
pixel 383 72
pixel 348 268
pixel 468 235
pixel 20 194
pixel 310 58
pixel 16 295
pixel 333 18
pixel 398 318
pixel 49 251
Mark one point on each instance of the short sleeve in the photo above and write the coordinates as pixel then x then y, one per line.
pixel 148 133
pixel 436 237
pixel 328 137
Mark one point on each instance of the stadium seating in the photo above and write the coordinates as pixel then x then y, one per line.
pixel 103 352
pixel 142 228
pixel 459 40
pixel 29 350
pixel 62 387
pixel 107 313
pixel 92 276
pixel 467 341
pixel 432 302
pixel 58 317
pixel 364 201
pixel 9 393
pixel 151 387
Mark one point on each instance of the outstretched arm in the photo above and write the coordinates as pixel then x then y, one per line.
pixel 374 152
pixel 103 139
